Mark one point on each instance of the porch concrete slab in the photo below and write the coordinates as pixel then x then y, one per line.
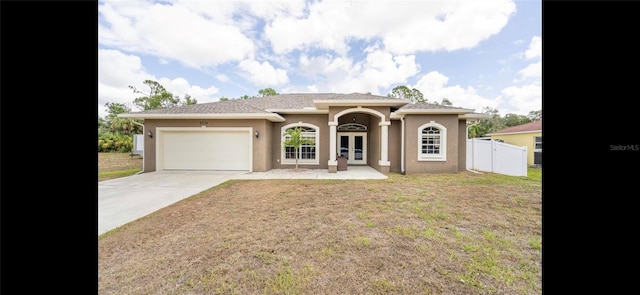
pixel 352 172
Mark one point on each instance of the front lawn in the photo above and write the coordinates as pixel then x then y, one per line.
pixel 115 165
pixel 460 233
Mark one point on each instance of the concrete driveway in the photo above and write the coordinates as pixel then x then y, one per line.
pixel 126 199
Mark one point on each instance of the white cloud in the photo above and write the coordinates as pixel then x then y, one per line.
pixel 272 9
pixel 404 26
pixel 312 88
pixel 532 71
pixel 222 78
pixel 535 48
pixel 181 87
pixel 339 74
pixel 116 71
pixel 521 100
pixel 191 37
pixel 434 87
pixel 263 74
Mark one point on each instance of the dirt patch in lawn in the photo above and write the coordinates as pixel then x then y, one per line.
pixel 427 234
pixel 110 162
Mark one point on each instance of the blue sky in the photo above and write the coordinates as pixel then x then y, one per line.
pixel 475 53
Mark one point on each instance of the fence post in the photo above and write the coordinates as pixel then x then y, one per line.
pixel 524 161
pixel 493 155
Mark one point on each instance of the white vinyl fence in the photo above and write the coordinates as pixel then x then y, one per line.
pixel 496 157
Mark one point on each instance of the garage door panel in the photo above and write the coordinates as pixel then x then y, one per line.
pixel 206 150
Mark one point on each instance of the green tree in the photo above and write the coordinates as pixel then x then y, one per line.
pixel 245 97
pixel 404 92
pixel 102 125
pixel 487 125
pixel 535 115
pixel 294 139
pixel 116 134
pixel 158 97
pixel 223 99
pixel 187 100
pixel 123 126
pixel 267 92
pixel 511 120
pixel 446 102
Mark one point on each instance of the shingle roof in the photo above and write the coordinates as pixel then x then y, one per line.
pixel 291 101
pixel 287 101
pixel 533 126
pixel 218 107
pixel 426 106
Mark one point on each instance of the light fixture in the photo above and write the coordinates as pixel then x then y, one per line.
pixel 354 119
pixel 149 134
pixel 257 134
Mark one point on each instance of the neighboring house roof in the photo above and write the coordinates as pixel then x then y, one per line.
pixel 535 126
pixel 269 107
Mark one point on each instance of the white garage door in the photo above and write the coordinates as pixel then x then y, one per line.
pixel 206 150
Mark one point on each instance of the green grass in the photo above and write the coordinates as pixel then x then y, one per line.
pixel 534 173
pixel 116 174
pixel 287 281
pixel 462 233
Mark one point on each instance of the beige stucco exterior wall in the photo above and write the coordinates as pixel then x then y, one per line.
pixel 413 166
pixel 395 145
pixel 462 145
pixel 261 145
pixel 521 139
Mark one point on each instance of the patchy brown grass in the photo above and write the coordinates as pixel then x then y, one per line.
pixel 422 234
pixel 113 165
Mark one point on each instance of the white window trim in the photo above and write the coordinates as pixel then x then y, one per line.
pixel 286 161
pixel 349 127
pixel 535 143
pixel 443 143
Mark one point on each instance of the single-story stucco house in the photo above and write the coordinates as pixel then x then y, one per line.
pixel 388 134
pixel 528 134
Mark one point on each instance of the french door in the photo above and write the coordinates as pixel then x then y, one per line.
pixel 353 146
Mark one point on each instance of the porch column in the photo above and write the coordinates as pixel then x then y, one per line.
pixel 384 146
pixel 333 163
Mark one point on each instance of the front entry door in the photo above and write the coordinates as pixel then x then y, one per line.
pixel 353 146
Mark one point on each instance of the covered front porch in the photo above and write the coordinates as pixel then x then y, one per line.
pixel 361 136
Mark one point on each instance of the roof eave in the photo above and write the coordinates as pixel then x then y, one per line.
pixel 298 111
pixel 433 111
pixel 475 116
pixel 271 117
pixel 326 103
pixel 517 132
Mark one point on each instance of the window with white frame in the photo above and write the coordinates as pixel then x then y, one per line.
pixel 432 142
pixel 307 154
pixel 538 144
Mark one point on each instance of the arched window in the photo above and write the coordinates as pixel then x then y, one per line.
pixel 432 142
pixel 352 127
pixel 307 154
